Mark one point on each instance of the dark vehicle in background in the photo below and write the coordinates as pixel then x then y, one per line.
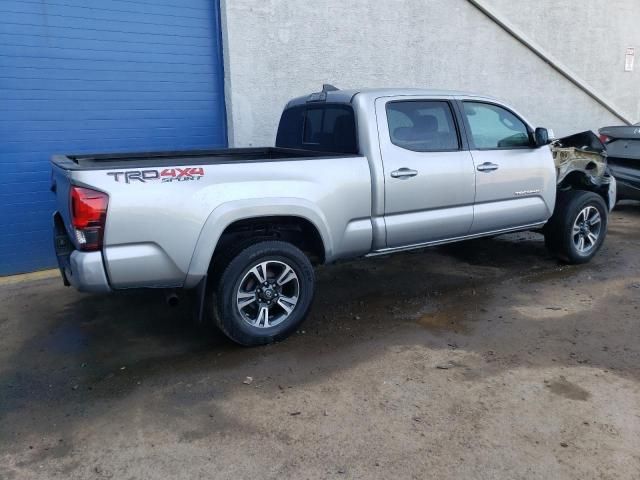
pixel 623 149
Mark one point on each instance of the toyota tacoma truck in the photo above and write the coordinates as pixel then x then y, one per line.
pixel 354 173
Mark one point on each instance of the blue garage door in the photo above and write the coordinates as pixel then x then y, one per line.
pixel 97 75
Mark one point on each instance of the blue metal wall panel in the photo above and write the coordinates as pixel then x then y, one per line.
pixel 97 75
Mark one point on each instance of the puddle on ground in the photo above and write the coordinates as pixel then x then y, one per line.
pixel 565 388
pixel 452 315
pixel 446 319
pixel 66 339
pixel 563 272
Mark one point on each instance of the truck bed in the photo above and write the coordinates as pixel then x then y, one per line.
pixel 107 161
pixel 160 230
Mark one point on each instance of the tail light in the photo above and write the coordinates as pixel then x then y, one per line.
pixel 88 216
pixel 604 138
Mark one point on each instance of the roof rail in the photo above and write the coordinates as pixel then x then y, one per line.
pixel 322 95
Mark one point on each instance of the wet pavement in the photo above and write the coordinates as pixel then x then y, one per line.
pixel 485 359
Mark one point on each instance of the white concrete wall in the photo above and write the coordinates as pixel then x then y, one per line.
pixel 590 37
pixel 278 49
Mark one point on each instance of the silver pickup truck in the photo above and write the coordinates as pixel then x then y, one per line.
pixel 354 173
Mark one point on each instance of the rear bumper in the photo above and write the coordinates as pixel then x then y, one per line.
pixel 83 270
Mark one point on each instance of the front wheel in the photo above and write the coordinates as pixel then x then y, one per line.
pixel 578 226
pixel 264 293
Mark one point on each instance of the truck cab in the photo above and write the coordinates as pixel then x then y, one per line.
pixel 444 165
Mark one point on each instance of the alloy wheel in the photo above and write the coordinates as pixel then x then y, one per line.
pixel 267 294
pixel 586 229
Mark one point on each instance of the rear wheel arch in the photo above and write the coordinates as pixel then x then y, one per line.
pixel 242 233
pixel 298 231
pixel 229 214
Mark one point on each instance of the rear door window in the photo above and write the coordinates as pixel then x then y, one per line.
pixel 422 126
pixel 493 127
pixel 313 126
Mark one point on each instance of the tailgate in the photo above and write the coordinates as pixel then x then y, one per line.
pixel 78 241
pixel 61 186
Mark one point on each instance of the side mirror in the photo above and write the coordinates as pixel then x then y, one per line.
pixel 542 137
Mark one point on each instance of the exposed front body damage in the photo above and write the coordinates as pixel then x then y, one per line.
pixel 583 153
pixel 581 161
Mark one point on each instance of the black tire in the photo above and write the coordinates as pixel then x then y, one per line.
pixel 227 314
pixel 558 233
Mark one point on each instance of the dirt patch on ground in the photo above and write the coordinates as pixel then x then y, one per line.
pixel 485 359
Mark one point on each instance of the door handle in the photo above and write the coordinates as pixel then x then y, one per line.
pixel 404 173
pixel 487 167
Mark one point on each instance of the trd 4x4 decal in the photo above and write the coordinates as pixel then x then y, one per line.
pixel 174 174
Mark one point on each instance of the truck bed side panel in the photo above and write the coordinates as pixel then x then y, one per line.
pixel 164 222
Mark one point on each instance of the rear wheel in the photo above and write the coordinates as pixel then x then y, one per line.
pixel 578 226
pixel 264 293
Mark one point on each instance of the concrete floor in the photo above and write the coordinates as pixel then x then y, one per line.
pixel 481 360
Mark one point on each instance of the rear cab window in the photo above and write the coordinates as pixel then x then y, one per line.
pixel 318 127
pixel 494 128
pixel 422 125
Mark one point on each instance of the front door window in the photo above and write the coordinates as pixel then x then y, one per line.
pixel 494 127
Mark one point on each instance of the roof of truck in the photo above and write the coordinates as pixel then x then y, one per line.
pixel 346 96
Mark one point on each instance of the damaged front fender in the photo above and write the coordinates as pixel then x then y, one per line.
pixel 581 162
